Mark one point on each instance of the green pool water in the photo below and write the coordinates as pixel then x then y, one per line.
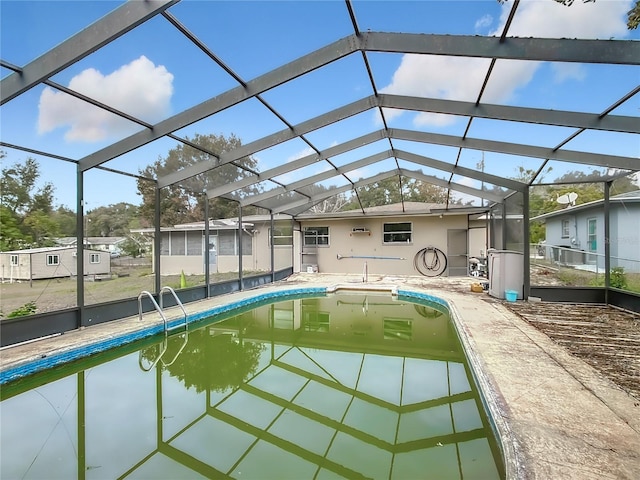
pixel 339 386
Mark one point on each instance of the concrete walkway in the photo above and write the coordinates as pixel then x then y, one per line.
pixel 557 416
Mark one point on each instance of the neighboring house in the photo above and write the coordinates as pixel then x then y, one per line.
pixel 387 238
pixel 575 235
pixel 51 262
pixel 105 244
pixel 182 246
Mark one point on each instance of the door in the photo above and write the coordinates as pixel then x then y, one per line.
pixel 213 253
pixel 592 240
pixel 457 261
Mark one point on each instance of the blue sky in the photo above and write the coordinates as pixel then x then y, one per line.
pixel 153 72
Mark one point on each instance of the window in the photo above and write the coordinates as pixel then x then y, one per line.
pixel 316 236
pixel 592 239
pixel 282 235
pixel 397 233
pixel 177 243
pixel 195 241
pixel 53 259
pixel 14 260
pixel 95 258
pixel 565 228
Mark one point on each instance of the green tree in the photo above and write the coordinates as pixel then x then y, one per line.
pixel 112 221
pixel 11 236
pixel 42 228
pixel 429 192
pixel 26 210
pixel 65 218
pixel 133 246
pixel 184 202
pixel 397 189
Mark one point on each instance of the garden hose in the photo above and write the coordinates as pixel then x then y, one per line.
pixel 430 262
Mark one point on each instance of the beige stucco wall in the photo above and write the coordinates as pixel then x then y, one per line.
pixel 194 265
pixel 427 231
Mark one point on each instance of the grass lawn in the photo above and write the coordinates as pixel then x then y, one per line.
pixel 60 293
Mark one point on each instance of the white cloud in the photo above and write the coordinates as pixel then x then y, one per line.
pixel 300 154
pixel 461 78
pixel 568 71
pixel 483 22
pixel 602 19
pixel 139 88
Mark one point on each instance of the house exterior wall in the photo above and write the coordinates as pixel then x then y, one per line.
pixel 103 267
pixel 625 237
pixel 194 264
pixel 33 265
pixel 624 233
pixel 21 271
pixel 426 231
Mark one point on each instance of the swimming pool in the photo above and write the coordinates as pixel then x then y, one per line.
pixel 345 385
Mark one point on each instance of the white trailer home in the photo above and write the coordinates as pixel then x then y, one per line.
pixel 51 262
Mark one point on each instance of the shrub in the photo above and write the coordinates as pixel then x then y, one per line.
pixel 26 309
pixel 618 278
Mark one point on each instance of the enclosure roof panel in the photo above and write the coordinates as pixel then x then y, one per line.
pixel 324 98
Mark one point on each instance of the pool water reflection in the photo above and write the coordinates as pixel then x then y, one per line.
pixel 341 386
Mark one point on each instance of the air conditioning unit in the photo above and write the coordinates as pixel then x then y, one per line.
pixel 359 230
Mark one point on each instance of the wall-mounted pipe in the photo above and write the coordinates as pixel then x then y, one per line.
pixel 340 257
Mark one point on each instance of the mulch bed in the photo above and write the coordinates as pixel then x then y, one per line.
pixel 606 338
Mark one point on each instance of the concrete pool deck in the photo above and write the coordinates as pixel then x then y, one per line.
pixel 558 417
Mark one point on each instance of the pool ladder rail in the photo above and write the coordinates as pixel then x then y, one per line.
pixel 165 342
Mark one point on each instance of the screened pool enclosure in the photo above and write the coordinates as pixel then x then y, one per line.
pixel 230 129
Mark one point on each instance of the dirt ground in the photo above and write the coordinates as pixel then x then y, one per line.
pixel 606 338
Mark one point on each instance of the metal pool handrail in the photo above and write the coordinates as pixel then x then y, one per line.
pixel 173 292
pixel 155 304
pixel 159 307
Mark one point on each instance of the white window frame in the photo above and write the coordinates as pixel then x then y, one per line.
pixel 564 226
pixel 387 236
pixel 15 260
pixel 94 258
pixel 53 260
pixel 280 240
pixel 592 238
pixel 312 233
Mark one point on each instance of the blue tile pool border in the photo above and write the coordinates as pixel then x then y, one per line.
pixel 50 361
